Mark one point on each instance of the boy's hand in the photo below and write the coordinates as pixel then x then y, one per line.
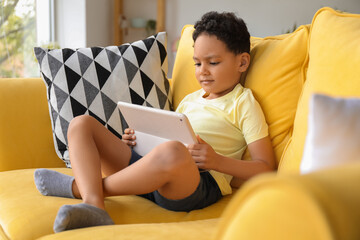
pixel 129 137
pixel 203 154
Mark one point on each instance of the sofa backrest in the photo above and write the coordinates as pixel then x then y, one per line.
pixel 333 69
pixel 183 77
pixel 276 77
pixel 25 127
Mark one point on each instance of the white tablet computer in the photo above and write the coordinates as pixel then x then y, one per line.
pixel 154 126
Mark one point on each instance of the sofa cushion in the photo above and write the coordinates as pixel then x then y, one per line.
pixel 276 77
pixel 333 133
pixel 196 230
pixel 92 80
pixel 317 206
pixel 26 214
pixel 183 77
pixel 333 69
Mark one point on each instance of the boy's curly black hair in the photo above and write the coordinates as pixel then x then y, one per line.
pixel 227 27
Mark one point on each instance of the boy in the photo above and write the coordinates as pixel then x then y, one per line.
pixel 225 116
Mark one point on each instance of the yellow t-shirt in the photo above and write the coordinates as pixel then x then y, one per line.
pixel 227 123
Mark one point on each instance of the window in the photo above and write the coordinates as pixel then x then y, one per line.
pixel 23 25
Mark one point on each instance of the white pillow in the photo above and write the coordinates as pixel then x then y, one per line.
pixel 333 133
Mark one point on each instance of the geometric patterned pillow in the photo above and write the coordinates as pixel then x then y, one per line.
pixel 92 80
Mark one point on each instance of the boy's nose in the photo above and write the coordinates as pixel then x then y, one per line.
pixel 203 69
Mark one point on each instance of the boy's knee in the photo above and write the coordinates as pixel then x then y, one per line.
pixel 173 149
pixel 81 122
pixel 172 155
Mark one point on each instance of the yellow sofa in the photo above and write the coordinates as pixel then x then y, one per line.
pixel 285 71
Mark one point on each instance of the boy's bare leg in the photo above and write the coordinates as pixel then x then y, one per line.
pixel 90 145
pixel 93 150
pixel 169 168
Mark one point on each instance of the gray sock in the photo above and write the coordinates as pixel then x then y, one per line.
pixel 80 216
pixel 52 183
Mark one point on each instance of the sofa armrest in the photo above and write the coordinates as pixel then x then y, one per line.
pixel 25 128
pixel 321 205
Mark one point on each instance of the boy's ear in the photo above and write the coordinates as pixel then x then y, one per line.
pixel 244 61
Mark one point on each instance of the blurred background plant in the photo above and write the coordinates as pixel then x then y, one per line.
pixel 150 27
pixel 290 30
pixel 17 37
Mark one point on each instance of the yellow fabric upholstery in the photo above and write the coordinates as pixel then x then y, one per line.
pixel 192 230
pixel 322 205
pixel 334 58
pixel 25 114
pixel 277 63
pixel 26 214
pixel 183 78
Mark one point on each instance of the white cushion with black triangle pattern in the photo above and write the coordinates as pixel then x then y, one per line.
pixel 92 80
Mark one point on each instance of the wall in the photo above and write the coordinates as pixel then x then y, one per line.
pixel 70 23
pixel 263 17
pixel 83 23
pixel 99 23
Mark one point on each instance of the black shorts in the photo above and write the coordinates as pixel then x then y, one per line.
pixel 206 193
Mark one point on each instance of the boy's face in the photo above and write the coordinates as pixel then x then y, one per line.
pixel 217 69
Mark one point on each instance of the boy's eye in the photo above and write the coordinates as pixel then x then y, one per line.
pixel 210 63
